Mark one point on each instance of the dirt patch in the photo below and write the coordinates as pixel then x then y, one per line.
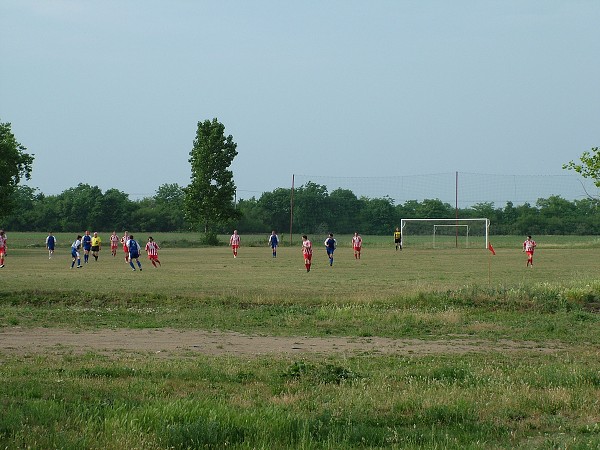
pixel 170 342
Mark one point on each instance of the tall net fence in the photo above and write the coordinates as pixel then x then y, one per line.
pixel 465 189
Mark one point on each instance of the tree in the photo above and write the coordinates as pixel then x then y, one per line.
pixel 169 201
pixel 14 165
pixel 311 214
pixel 378 215
pixel 345 209
pixel 117 211
pixel 589 167
pixel 209 197
pixel 80 208
pixel 25 213
pixel 252 217
pixel 275 207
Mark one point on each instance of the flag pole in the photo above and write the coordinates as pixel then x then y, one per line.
pixel 492 252
pixel 489 268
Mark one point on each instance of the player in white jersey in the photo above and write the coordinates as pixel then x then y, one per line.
pixel 234 241
pixel 529 247
pixel 152 249
pixel 75 246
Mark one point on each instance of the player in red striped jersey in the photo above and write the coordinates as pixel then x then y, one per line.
pixel 124 240
pixel 356 245
pixel 307 252
pixel 528 247
pixel 114 243
pixel 234 241
pixel 152 249
pixel 2 248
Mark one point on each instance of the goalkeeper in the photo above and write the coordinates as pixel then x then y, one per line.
pixel 398 238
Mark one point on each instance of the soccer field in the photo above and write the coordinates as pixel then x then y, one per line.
pixel 382 272
pixel 419 348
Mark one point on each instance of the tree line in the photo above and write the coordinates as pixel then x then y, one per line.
pixel 315 210
pixel 207 203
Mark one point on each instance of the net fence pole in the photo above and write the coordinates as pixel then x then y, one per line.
pixel 292 211
pixel 456 205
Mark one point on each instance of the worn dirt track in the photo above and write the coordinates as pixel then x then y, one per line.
pixel 170 342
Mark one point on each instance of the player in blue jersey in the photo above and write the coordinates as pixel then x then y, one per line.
pixel 330 245
pixel 134 252
pixel 274 242
pixel 50 244
pixel 86 242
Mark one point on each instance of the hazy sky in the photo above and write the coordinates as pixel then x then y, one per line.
pixel 109 93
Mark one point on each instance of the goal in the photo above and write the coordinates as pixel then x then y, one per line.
pixel 461 230
pixel 466 226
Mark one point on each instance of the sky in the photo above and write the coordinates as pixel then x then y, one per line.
pixel 109 93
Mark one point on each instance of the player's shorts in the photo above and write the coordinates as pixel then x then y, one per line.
pixel 357 249
pixel 125 249
pixel 235 246
pixel 87 248
pixel 95 248
pixel 153 257
pixel 74 253
pixel 529 252
pixel 113 246
pixel 397 240
pixel 308 256
pixel 135 255
pixel 2 251
pixel 330 251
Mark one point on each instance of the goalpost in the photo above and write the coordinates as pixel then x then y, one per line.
pixel 454 222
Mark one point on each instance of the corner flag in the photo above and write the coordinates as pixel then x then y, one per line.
pixel 491 249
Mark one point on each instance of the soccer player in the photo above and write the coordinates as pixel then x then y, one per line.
pixel 152 249
pixel 528 247
pixel 2 248
pixel 356 245
pixel 234 241
pixel 87 246
pixel 274 242
pixel 50 244
pixel 398 238
pixel 114 243
pixel 75 246
pixel 96 244
pixel 307 252
pixel 134 252
pixel 124 240
pixel 330 245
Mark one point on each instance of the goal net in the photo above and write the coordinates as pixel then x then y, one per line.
pixel 445 233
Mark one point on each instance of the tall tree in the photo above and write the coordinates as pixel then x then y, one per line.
pixel 14 165
pixel 589 167
pixel 209 198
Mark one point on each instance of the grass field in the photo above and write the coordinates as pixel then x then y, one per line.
pixel 540 391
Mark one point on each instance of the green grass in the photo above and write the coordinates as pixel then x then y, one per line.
pixel 479 400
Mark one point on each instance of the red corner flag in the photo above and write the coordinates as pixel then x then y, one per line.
pixel 491 249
